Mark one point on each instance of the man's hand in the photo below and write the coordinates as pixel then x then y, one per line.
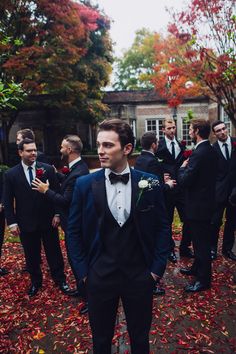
pixel 40 186
pixel 185 163
pixel 166 177
pixel 171 183
pixel 14 230
pixel 56 221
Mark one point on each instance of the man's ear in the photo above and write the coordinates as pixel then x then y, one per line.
pixel 127 149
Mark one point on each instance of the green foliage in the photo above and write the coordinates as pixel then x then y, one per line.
pixel 3 168
pixel 135 68
pixel 189 117
pixel 11 94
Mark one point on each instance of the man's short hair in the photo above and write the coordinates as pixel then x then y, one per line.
pixel 120 127
pixel 26 133
pixel 167 120
pixel 148 139
pixel 203 126
pixel 214 124
pixel 23 142
pixel 75 143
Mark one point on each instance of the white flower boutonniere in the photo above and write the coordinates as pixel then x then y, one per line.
pixel 146 184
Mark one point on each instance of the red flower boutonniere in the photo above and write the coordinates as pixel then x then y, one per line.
pixel 187 153
pixel 65 170
pixel 183 143
pixel 234 145
pixel 40 172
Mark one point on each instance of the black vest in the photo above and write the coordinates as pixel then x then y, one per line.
pixel 121 249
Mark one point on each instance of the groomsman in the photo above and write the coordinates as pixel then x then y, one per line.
pixel 71 148
pixel 198 176
pixel 225 146
pixel 171 152
pixel 118 239
pixel 30 216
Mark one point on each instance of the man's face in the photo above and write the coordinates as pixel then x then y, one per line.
pixel 192 134
pixel 65 149
pixel 169 130
pixel 19 138
pixel 221 132
pixel 28 154
pixel 110 152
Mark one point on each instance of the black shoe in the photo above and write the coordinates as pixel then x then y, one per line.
pixel 186 252
pixel 64 287
pixel 84 309
pixel 186 271
pixel 33 290
pixel 172 257
pixel 213 255
pixel 159 291
pixel 229 254
pixel 196 287
pixel 3 271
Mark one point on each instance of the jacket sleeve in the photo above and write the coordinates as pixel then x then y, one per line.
pixel 62 200
pixel 188 174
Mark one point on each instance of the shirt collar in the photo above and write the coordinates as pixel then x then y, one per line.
pixel 202 141
pixel 150 152
pixel 72 163
pixel 25 167
pixel 228 141
pixel 108 171
pixel 168 141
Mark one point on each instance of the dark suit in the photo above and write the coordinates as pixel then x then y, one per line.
pixel 118 260
pixel 175 197
pixel 63 200
pixel 226 175
pixel 34 215
pixel 199 179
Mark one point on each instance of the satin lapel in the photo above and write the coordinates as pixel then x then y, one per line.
pixel 99 194
pixel 134 185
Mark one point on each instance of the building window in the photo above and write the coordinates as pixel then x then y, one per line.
pixel 132 123
pixel 225 118
pixel 154 125
pixel 185 132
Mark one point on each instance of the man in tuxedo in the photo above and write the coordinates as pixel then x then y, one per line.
pixel 118 239
pixel 32 217
pixel 225 146
pixel 171 152
pixel 198 176
pixel 148 162
pixel 71 148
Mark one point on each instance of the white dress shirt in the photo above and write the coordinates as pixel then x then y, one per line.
pixel 222 147
pixel 119 197
pixel 26 171
pixel 169 146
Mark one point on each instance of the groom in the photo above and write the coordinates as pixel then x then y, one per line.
pixel 118 239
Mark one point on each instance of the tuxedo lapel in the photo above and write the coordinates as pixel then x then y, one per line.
pixel 99 195
pixel 134 188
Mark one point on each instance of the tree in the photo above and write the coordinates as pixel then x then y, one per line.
pixel 135 68
pixel 44 45
pixel 206 29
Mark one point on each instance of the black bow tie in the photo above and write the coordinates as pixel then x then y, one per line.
pixel 119 178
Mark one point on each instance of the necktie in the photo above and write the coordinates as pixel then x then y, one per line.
pixel 173 149
pixel 119 178
pixel 226 151
pixel 30 174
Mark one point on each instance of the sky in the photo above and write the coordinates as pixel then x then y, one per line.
pixel 130 15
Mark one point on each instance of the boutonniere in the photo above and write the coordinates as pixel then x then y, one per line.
pixel 160 160
pixel 183 143
pixel 146 185
pixel 65 170
pixel 187 153
pixel 234 145
pixel 39 172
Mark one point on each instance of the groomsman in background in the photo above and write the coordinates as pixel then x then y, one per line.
pixel 71 148
pixel 171 152
pixel 225 146
pixel 31 217
pixel 198 176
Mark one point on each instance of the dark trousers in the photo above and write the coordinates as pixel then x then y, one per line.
pixel 200 233
pixel 103 300
pixel 176 201
pixel 31 242
pixel 230 222
pixel 2 229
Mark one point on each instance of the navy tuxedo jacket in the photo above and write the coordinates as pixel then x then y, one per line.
pixel 63 199
pixel 87 218
pixel 226 173
pixel 199 180
pixel 170 165
pixel 24 206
